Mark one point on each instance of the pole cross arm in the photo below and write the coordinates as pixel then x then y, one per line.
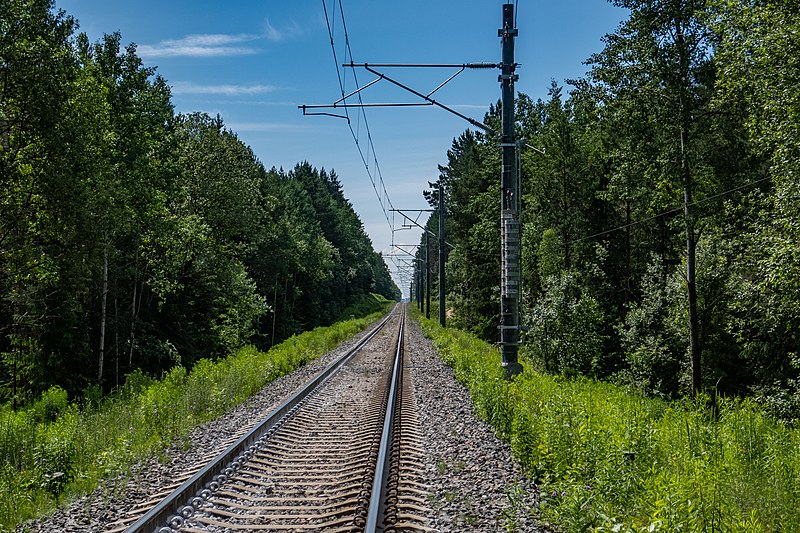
pixel 406 248
pixel 427 98
pixel 417 224
pixel 425 65
pixel 341 103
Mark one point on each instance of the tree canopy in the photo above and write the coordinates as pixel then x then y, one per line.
pixel 660 226
pixel 135 238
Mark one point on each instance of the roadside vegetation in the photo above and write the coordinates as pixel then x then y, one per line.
pixel 139 249
pixel 608 458
pixel 55 449
pixel 132 237
pixel 661 225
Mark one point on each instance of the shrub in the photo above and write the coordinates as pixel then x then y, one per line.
pixel 610 459
pixel 55 452
pixel 52 402
pixel 55 449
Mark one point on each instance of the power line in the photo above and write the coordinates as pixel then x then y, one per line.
pixel 516 12
pixel 651 218
pixel 370 158
pixel 669 212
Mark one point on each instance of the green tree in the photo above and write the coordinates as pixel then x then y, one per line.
pixel 37 69
pixel 472 208
pixel 206 302
pixel 758 52
pixel 658 59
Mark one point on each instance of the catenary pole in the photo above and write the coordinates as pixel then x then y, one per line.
pixel 427 278
pixel 419 287
pixel 510 225
pixel 441 256
pixel 509 214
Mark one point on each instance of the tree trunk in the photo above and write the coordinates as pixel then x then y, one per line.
pixel 134 307
pixel 132 337
pixel 628 296
pixel 691 240
pixel 14 380
pixel 103 302
pixel 274 310
pixel 116 338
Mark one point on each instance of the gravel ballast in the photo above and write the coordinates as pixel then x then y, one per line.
pixel 474 483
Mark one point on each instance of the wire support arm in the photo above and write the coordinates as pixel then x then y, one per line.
pixel 350 106
pixel 471 120
pixel 428 101
pixel 305 109
pixel 417 224
pixel 423 65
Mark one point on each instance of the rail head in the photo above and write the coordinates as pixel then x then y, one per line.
pixel 379 485
pixel 172 511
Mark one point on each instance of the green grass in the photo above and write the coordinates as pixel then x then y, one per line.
pixel 608 459
pixel 366 305
pixel 54 450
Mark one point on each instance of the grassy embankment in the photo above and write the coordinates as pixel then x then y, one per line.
pixel 55 450
pixel 608 459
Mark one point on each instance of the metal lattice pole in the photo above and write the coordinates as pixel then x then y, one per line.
pixel 427 278
pixel 442 315
pixel 509 214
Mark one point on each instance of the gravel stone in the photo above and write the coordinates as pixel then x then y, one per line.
pixel 474 481
pixel 475 485
pixel 113 498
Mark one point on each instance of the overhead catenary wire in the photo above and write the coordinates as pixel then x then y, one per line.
pixel 376 177
pixel 369 159
pixel 516 12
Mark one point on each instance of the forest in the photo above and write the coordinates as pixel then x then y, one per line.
pixel 133 238
pixel 661 226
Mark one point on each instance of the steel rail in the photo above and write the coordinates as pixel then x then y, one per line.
pixel 379 485
pixel 181 503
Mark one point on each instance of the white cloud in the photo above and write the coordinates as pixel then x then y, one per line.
pixel 277 35
pixel 185 87
pixel 201 45
pixel 484 107
pixel 261 127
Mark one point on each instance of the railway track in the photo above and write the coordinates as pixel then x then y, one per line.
pixel 341 455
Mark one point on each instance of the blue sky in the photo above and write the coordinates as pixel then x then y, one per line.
pixel 254 62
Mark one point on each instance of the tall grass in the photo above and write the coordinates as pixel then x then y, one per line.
pixel 608 459
pixel 55 450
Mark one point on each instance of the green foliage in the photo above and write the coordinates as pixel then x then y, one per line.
pixel 610 459
pixel 652 335
pixel 565 324
pixel 134 242
pixel 134 238
pixel 660 223
pixel 55 451
pixel 366 305
pixel 43 459
pixel 51 404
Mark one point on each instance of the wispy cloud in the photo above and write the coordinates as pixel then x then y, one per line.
pixel 262 127
pixel 283 33
pixel 186 87
pixel 201 45
pixel 484 107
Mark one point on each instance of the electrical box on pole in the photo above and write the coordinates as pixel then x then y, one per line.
pixel 509 213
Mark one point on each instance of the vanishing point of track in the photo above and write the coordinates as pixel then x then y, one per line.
pixel 339 455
